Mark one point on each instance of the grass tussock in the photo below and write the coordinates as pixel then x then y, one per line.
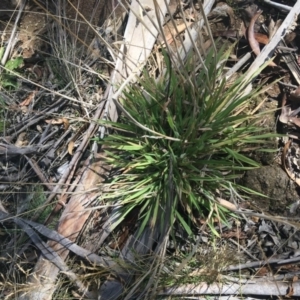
pixel 184 138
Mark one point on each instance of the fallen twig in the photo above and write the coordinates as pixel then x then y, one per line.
pixel 278 5
pixel 39 173
pixel 17 129
pixel 11 150
pixel 258 264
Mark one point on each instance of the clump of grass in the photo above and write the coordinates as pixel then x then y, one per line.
pixel 188 143
pixel 205 265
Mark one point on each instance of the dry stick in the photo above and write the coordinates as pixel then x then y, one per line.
pixel 278 5
pixel 261 263
pixel 39 173
pixel 57 105
pixel 78 154
pixel 13 33
pixel 51 152
pixel 45 88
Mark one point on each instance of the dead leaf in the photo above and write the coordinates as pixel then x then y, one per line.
pixel 222 9
pixel 262 271
pixel 295 121
pixel 230 206
pixel 254 219
pixel 284 116
pixel 21 140
pixel 71 147
pixel 29 99
pixel 283 162
pixel 261 38
pixel 171 33
pixel 290 292
pixel 39 129
pixel 59 121
pixel 238 234
pixel 295 95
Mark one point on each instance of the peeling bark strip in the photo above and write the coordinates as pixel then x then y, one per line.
pixel 251 37
pixel 252 40
pixel 52 256
pixel 105 262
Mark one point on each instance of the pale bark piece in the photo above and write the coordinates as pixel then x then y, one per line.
pixel 139 37
pixel 262 288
